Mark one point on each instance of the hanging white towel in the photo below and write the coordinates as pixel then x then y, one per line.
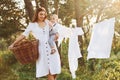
pixel 74 51
pixel 101 39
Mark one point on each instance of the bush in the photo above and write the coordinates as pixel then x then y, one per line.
pixel 110 70
pixel 7 58
pixel 65 75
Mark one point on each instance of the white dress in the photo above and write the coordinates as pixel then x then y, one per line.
pixel 46 62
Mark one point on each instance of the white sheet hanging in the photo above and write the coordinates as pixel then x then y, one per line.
pixel 74 51
pixel 101 39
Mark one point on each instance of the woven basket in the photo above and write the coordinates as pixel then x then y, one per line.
pixel 26 51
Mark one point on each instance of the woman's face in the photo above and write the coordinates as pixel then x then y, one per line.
pixel 41 16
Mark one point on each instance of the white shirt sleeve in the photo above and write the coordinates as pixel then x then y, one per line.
pixel 79 31
pixel 27 30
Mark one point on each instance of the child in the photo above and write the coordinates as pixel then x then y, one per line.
pixel 53 32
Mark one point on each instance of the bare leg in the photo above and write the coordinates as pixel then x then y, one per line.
pixel 55 76
pixel 50 77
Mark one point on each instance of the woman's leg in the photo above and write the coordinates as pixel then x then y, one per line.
pixel 55 76
pixel 51 77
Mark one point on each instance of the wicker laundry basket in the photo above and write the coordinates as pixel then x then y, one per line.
pixel 26 51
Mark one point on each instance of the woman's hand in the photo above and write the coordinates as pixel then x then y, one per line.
pixel 50 24
pixel 56 36
pixel 11 46
pixel 16 41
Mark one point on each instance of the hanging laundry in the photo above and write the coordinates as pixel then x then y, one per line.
pixel 74 51
pixel 64 32
pixel 101 39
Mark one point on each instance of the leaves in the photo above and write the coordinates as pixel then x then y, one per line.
pixel 10 18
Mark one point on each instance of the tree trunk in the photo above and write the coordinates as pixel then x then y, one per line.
pixel 37 3
pixel 79 19
pixel 56 5
pixel 79 22
pixel 44 3
pixel 56 2
pixel 29 8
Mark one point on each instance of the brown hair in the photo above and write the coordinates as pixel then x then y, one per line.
pixel 35 17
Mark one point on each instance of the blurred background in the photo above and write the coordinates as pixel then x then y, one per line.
pixel 16 14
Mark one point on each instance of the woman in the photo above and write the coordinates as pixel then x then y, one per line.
pixel 47 64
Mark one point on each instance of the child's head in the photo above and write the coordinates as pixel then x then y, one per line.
pixel 54 18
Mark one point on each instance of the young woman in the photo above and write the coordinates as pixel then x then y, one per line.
pixel 47 64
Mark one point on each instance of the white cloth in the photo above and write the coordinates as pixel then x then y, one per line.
pixel 46 62
pixel 63 31
pixel 101 39
pixel 74 51
pixel 59 29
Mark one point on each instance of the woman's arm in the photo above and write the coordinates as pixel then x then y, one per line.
pixel 21 37
pixel 56 36
pixel 50 24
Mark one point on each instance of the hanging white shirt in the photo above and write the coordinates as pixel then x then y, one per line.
pixel 63 31
pixel 74 51
pixel 101 39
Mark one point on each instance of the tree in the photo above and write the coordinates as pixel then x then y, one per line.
pixel 10 17
pixel 56 5
pixel 42 3
pixel 79 9
pixel 29 8
pixel 66 12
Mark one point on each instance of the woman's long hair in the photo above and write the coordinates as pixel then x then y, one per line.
pixel 35 17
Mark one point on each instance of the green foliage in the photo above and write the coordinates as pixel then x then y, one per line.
pixel 65 75
pixel 10 17
pixel 109 70
pixel 7 58
pixel 3 44
pixel 104 69
pixel 66 12
pixel 12 68
pixel 25 72
pixel 64 55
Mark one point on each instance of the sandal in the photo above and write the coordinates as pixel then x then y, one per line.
pixel 53 51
